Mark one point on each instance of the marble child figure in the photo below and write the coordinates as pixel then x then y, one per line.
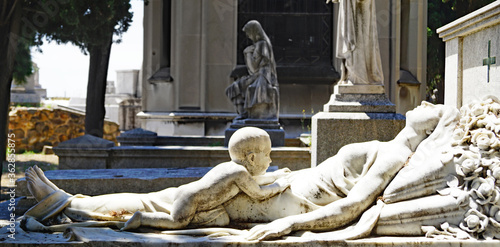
pixel 249 149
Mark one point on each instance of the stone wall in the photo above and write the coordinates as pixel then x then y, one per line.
pixel 34 128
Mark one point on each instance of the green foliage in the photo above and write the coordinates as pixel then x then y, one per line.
pixel 23 65
pixel 440 13
pixel 87 23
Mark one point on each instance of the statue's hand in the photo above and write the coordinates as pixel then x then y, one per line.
pixel 283 183
pixel 275 229
pixel 249 49
pixel 281 172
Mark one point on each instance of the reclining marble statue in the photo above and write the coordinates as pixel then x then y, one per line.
pixel 438 177
pixel 256 95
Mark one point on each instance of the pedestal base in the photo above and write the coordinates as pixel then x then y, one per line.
pixel 333 130
pixel 272 127
pixel 355 113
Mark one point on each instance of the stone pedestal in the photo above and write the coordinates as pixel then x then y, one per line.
pixel 137 137
pixel 84 152
pixel 355 113
pixel 272 127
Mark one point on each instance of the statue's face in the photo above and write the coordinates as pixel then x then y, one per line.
pixel 425 116
pixel 260 160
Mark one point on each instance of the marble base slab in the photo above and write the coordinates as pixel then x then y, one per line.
pixel 107 237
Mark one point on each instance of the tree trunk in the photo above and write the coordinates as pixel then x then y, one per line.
pixel 96 88
pixel 9 36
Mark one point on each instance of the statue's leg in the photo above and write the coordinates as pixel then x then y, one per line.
pixel 36 185
pixel 182 213
pixel 159 220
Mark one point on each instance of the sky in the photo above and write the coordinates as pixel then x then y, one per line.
pixel 63 69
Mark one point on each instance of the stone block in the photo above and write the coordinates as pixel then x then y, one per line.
pixel 272 127
pixel 192 156
pixel 333 130
pixel 137 137
pixel 87 152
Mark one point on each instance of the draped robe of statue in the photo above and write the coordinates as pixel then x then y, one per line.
pixel 357 43
pixel 256 95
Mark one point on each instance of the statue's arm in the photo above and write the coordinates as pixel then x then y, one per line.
pixel 249 186
pixel 340 212
pixel 270 177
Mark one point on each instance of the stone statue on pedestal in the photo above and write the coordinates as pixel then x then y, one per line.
pixel 357 43
pixel 256 95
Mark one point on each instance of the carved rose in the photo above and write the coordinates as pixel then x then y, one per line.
pixel 495 172
pixel 474 222
pixel 478 110
pixel 484 191
pixel 484 139
pixel 459 136
pixel 493 228
pixel 490 122
pixel 469 168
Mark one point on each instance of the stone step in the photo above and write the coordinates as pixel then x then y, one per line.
pixel 80 157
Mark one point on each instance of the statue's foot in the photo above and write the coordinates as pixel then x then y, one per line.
pixel 42 177
pixel 38 188
pixel 133 223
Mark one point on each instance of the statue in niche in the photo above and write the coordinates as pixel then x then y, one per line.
pixel 432 172
pixel 357 43
pixel 256 95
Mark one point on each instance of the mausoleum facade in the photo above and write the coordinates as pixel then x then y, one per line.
pixel 194 49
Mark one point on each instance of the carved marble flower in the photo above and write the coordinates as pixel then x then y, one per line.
pixel 474 222
pixel 493 228
pixel 495 172
pixel 490 122
pixel 484 191
pixel 477 110
pixel 460 136
pixel 469 168
pixel 484 139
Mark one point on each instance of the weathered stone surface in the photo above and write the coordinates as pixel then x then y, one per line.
pixel 137 137
pixel 333 130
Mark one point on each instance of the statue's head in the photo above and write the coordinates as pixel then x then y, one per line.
pixel 428 117
pixel 251 147
pixel 254 30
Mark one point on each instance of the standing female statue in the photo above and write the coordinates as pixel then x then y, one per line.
pixel 357 43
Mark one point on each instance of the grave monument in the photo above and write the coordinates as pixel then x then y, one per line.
pixel 359 103
pixel 256 95
pixel 472 48
pixel 436 178
pixel 193 50
pixel 29 93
